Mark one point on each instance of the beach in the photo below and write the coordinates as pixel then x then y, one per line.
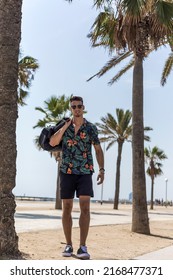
pixel 110 237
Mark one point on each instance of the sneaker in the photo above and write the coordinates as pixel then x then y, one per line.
pixel 67 251
pixel 82 253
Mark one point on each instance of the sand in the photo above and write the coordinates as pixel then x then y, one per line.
pixel 105 242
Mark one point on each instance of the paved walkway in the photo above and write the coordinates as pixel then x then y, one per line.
pixel 32 216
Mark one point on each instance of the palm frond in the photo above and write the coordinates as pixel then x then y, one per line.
pixel 22 95
pixel 27 67
pixel 134 7
pixel 164 10
pixel 105 130
pixel 148 128
pixel 42 123
pixel 101 3
pixel 128 132
pixel 41 110
pixel 146 137
pixel 122 72
pixel 107 138
pixel 167 69
pixel 156 171
pixel 124 118
pixel 111 63
pixel 28 62
pixel 37 143
pixel 110 144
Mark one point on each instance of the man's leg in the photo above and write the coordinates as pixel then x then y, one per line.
pixel 84 219
pixel 67 219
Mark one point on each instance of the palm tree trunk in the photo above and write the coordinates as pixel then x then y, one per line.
pixel 140 222
pixel 117 179
pixel 10 34
pixel 152 193
pixel 58 204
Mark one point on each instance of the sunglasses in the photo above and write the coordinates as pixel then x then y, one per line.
pixel 76 106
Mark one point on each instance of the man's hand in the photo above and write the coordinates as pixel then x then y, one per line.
pixel 56 138
pixel 100 178
pixel 67 123
pixel 100 160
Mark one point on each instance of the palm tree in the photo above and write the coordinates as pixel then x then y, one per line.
pixel 117 131
pixel 27 67
pixel 135 26
pixel 55 109
pixel 10 35
pixel 154 157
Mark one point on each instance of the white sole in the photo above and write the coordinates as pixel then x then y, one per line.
pixel 83 256
pixel 66 255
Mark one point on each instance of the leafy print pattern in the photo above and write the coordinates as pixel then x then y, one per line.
pixel 77 149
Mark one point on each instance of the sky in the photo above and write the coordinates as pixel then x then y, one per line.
pixel 55 33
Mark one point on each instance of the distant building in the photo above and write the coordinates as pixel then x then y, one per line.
pixel 130 196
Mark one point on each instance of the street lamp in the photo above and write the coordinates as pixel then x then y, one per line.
pixel 166 181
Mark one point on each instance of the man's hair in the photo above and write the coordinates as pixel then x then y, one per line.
pixel 76 98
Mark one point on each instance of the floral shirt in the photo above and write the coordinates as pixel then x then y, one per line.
pixel 77 149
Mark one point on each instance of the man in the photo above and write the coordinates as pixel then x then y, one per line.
pixel 77 135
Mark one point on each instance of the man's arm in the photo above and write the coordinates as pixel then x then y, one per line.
pixel 55 139
pixel 100 161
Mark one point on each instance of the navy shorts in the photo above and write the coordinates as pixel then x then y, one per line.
pixel 71 184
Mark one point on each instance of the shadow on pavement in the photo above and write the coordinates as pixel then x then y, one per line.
pixel 109 214
pixel 37 216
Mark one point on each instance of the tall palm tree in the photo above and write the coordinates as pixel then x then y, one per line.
pixel 154 157
pixel 54 110
pixel 135 26
pixel 10 35
pixel 27 67
pixel 117 131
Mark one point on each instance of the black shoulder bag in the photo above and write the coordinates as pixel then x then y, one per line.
pixel 46 134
